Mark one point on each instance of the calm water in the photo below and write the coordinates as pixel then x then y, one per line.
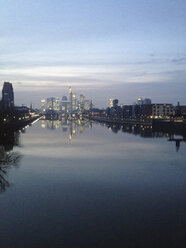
pixel 86 185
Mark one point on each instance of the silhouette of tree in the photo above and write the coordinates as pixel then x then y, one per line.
pixel 7 160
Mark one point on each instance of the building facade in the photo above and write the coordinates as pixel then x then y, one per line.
pixel 141 101
pixel 65 104
pixel 113 103
pixel 162 110
pixel 7 96
pixel 43 105
pixel 53 104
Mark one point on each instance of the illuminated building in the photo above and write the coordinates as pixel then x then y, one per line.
pixel 113 103
pixel 141 101
pixel 162 110
pixel 65 104
pixel 70 98
pixel 74 101
pixel 43 105
pixel 84 104
pixel 7 96
pixel 82 101
pixel 53 104
pixel 57 105
pixel 87 105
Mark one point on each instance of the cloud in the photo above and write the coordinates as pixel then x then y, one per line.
pixel 179 60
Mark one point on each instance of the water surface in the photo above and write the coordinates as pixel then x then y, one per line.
pixel 81 184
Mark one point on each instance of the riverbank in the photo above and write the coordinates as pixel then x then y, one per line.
pixel 170 122
pixel 17 123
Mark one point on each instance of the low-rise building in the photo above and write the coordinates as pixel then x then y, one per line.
pixel 162 110
pixel 127 111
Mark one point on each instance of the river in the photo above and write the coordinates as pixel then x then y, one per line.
pixel 81 184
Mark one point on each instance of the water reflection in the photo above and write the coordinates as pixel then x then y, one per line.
pixel 71 126
pixel 173 135
pixel 144 131
pixel 121 186
pixel 8 158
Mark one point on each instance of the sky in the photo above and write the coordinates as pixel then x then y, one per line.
pixel 103 49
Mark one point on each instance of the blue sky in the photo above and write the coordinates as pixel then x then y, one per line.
pixel 102 48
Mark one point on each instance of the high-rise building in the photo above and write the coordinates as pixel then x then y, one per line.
pixel 7 96
pixel 82 101
pixel 70 98
pixel 74 102
pixel 49 105
pixel 147 101
pixel 113 103
pixel 141 101
pixel 53 104
pixel 87 105
pixel 57 105
pixel 65 104
pixel 43 105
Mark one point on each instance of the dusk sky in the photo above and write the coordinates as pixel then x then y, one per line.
pixel 102 48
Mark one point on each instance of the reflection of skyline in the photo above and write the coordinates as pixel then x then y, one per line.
pixel 78 126
pixel 53 124
pixel 8 158
pixel 71 126
pixel 145 131
pixel 149 132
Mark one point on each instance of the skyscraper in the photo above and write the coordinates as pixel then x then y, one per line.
pixel 7 96
pixel 53 104
pixel 141 101
pixel 113 103
pixel 74 101
pixel 43 105
pixel 70 98
pixel 82 101
pixel 65 104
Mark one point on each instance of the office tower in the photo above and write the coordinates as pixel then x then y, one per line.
pixel 7 96
pixel 43 105
pixel 31 106
pixel 82 98
pixel 49 105
pixel 113 103
pixel 91 104
pixel 139 101
pixel 82 101
pixel 74 102
pixel 147 101
pixel 87 105
pixel 70 98
pixel 53 104
pixel 57 105
pixel 65 104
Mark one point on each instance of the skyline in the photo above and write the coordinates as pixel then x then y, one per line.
pixel 121 49
pixel 107 100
